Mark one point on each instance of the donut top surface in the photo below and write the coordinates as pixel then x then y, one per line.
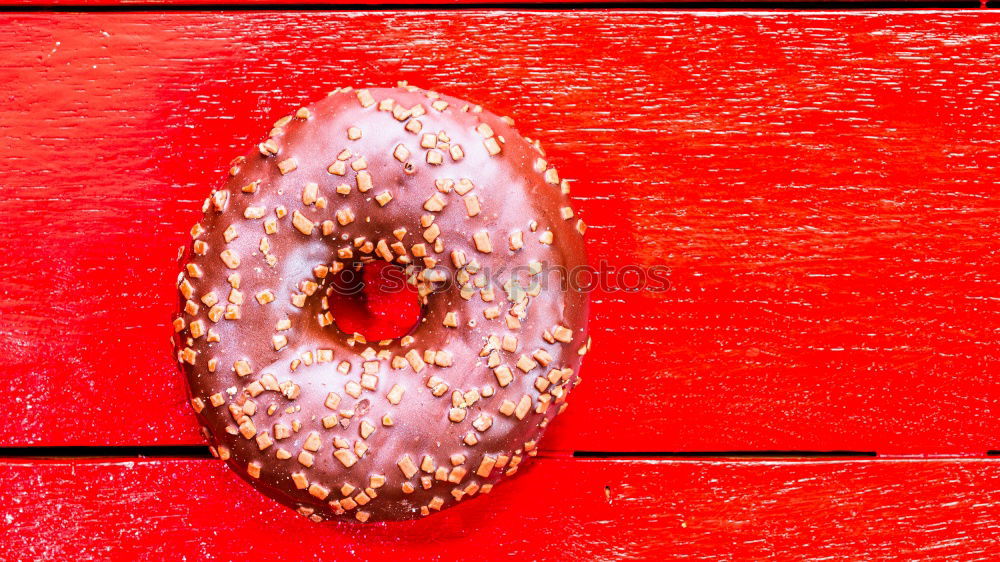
pixel 472 217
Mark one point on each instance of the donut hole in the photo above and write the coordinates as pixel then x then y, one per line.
pixel 374 300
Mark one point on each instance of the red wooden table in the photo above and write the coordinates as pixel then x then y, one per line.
pixel 822 185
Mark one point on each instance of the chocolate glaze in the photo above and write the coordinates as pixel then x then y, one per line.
pixel 516 191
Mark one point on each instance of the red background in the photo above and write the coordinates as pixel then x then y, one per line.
pixel 823 187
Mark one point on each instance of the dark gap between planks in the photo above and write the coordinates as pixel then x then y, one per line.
pixel 201 452
pixel 563 5
pixel 100 452
pixel 722 454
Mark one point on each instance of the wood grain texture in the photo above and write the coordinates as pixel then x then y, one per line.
pixel 561 509
pixel 823 187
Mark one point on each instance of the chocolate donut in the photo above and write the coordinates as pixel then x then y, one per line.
pixel 473 219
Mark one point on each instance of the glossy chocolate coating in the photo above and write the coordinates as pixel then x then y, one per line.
pixel 516 191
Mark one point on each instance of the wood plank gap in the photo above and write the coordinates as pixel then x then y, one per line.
pixel 202 452
pixel 97 452
pixel 559 5
pixel 830 243
pixel 723 454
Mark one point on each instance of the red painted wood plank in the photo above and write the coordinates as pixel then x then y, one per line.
pixel 823 187
pixel 560 509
